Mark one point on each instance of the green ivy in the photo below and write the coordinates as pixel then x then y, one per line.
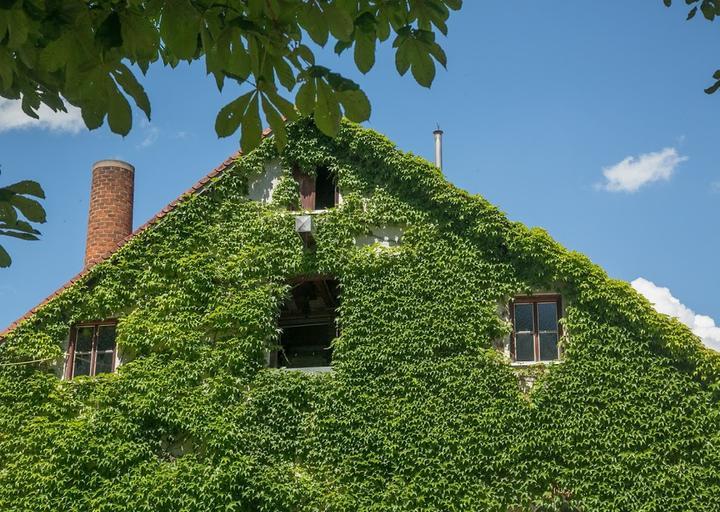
pixel 420 412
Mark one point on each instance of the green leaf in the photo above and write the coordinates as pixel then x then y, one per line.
pixel 92 116
pixel 365 51
pixel 708 10
pixel 132 87
pixel 18 28
pixel 231 115
pixel 402 59
pixel 251 128
pixel 5 259
pixel 423 69
pixel 327 110
pixel 305 98
pixel 179 28
pixel 20 235
pixel 55 55
pixel 713 88
pixel 28 187
pixel 109 33
pixel 31 209
pixel 7 212
pixel 276 123
pixel 356 105
pixel 285 107
pixel 119 114
pixel 692 13
pixel 20 225
pixel 312 19
pixel 6 69
pixel 284 73
pixel 340 23
pixel 140 37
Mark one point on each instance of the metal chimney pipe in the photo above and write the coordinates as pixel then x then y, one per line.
pixel 438 147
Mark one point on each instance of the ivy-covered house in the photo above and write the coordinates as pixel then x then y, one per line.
pixel 337 328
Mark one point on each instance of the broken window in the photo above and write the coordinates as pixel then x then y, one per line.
pixel 536 328
pixel 317 192
pixel 308 325
pixel 91 350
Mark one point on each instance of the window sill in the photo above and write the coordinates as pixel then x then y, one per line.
pixel 525 364
pixel 309 369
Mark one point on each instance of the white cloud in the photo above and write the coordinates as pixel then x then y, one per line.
pixel 13 118
pixel 664 301
pixel 715 187
pixel 151 135
pixel 633 172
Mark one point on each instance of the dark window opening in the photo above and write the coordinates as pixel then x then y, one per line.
pixel 317 192
pixel 307 322
pixel 536 328
pixel 91 350
pixel 325 189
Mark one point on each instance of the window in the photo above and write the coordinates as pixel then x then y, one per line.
pixel 317 192
pixel 91 350
pixel 536 328
pixel 307 322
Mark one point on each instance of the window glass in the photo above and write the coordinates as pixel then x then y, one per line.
pixel 536 332
pixel 106 338
pixel 92 350
pixel 548 346
pixel 104 362
pixel 83 341
pixel 81 365
pixel 523 318
pixel 547 316
pixel 524 347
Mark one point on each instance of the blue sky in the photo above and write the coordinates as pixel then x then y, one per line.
pixel 538 102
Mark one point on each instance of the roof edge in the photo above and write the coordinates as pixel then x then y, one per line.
pixel 195 189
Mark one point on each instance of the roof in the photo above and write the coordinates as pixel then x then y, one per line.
pixel 195 189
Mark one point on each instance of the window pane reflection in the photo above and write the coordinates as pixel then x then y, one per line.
pixel 81 365
pixel 548 346
pixel 83 342
pixel 104 362
pixel 106 338
pixel 524 347
pixel 547 316
pixel 523 318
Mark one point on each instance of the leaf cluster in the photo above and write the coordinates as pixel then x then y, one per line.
pixel 88 54
pixel 18 210
pixel 710 9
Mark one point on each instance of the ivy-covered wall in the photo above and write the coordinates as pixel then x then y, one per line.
pixel 420 412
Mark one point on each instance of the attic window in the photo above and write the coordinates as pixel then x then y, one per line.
pixel 308 325
pixel 317 192
pixel 91 350
pixel 536 328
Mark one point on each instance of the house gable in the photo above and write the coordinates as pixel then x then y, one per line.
pixel 420 412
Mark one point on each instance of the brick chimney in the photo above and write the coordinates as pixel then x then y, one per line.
pixel 111 207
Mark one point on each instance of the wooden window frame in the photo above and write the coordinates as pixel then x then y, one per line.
pixel 535 300
pixel 70 361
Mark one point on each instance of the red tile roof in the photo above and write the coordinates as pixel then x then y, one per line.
pixel 198 187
